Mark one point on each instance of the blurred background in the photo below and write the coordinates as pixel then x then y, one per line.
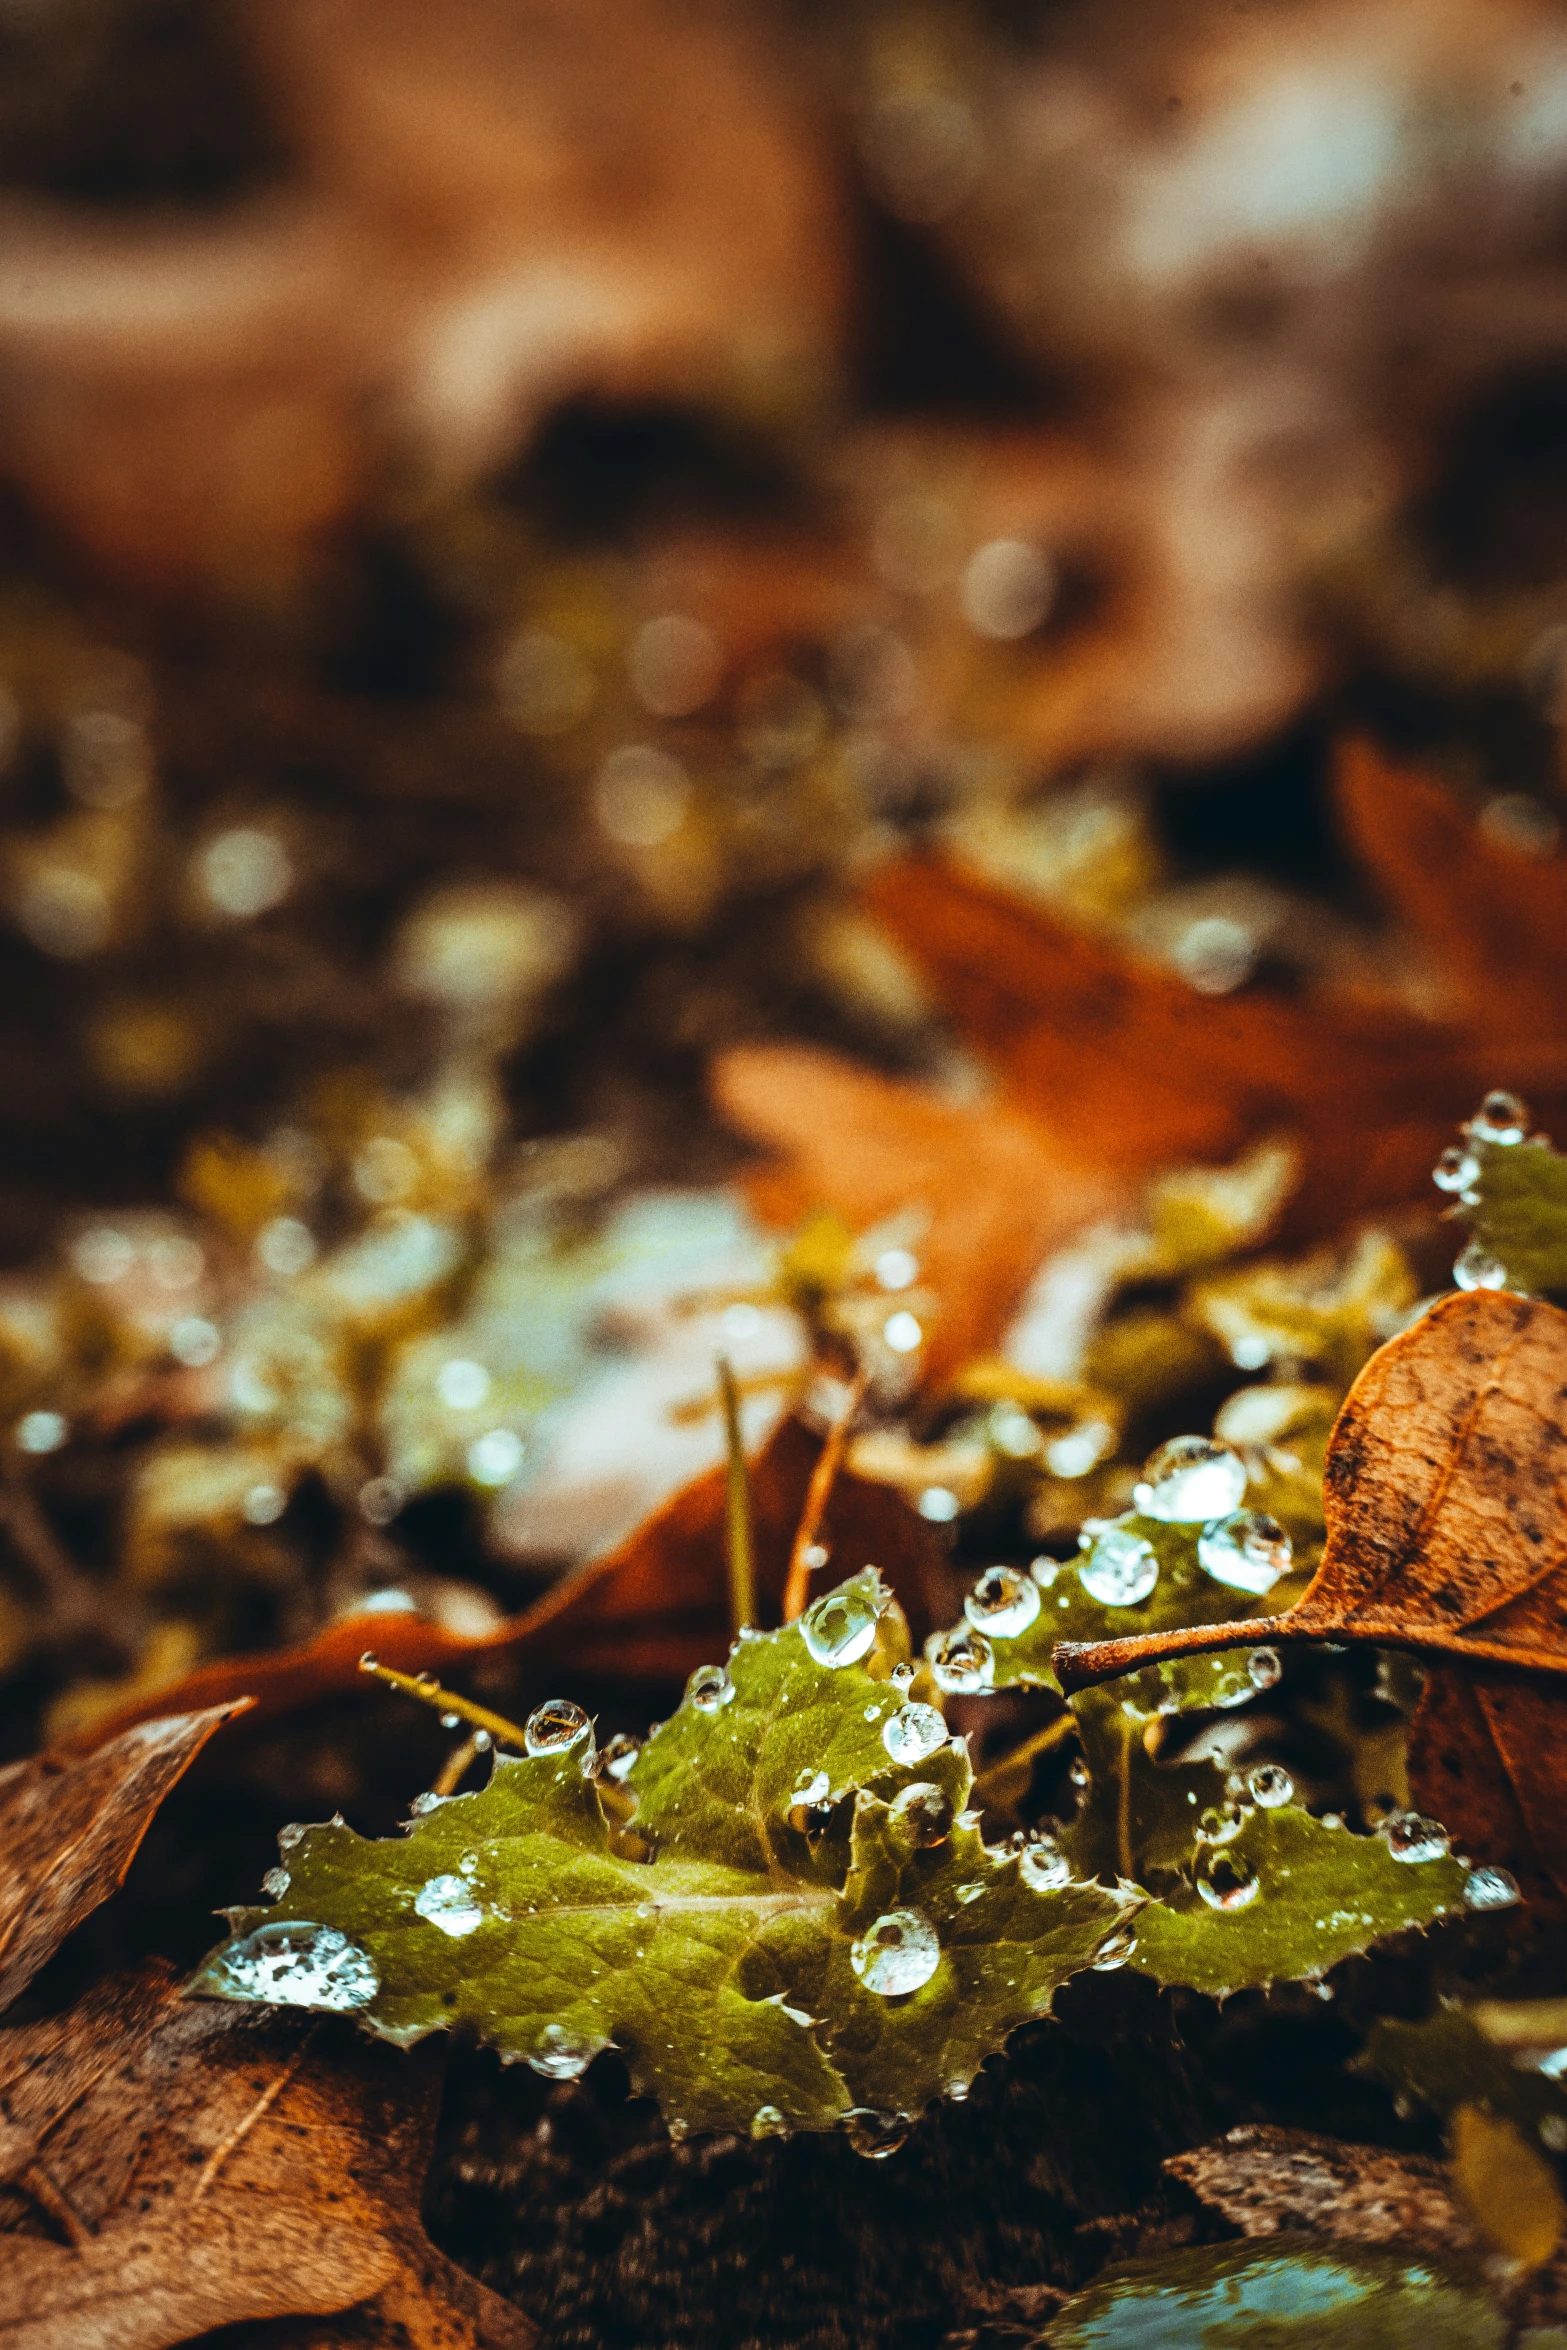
pixel 515 520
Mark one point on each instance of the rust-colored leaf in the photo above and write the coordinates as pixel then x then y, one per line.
pixel 1446 1512
pixel 1492 919
pixel 1000 1190
pixel 70 1826
pixel 206 2165
pixel 650 1609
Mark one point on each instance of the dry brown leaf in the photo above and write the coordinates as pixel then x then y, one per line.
pixel 1267 2182
pixel 1447 1535
pixel 652 1608
pixel 1491 919
pixel 1001 1192
pixel 70 1826
pixel 1125 1067
pixel 209 2164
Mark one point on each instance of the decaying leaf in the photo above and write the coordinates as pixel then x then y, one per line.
pixel 789 1937
pixel 999 1190
pixel 70 1826
pixel 208 2165
pixel 652 1607
pixel 1268 2182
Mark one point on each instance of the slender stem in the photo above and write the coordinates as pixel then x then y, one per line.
pixel 428 1691
pixel 1123 1804
pixel 993 1777
pixel 828 1462
pixel 737 1506
pixel 452 1772
pixel 1081 1664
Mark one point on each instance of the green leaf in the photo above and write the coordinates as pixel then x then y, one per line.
pixel 1325 1310
pixel 1515 1206
pixel 1287 2293
pixel 715 1941
pixel 1288 1896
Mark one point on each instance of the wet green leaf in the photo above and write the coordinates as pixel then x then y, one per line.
pixel 1277 2295
pixel 1324 1310
pixel 1515 1207
pixel 1287 1896
pixel 735 1966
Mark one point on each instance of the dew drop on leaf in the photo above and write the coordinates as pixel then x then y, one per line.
pixel 556 1726
pixel 1263 1668
pixel 1501 1117
pixel 275 1884
pixel 768 2122
pixel 561 2054
pixel 902 1676
pixel 1043 1866
pixel 448 1902
pixel 1476 1268
pixel 1227 1881
pixel 1221 1824
pixel 962 1662
pixel 897 1954
pixel 875 2135
pixel 298 1964
pixel 617 1755
pixel 1410 1836
pixel 710 1689
pixel 1246 1551
pixel 840 1627
pixel 1270 1785
pixel 1190 1480
pixel 1114 1950
pixel 1490 1889
pixel 922 1815
pixel 1002 1603
pixel 1456 1170
pixel 1121 1568
pixel 914 1733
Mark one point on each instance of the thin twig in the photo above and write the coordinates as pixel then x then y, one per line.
pixel 450 1776
pixel 991 1779
pixel 243 2127
pixel 737 1506
pixel 427 1689
pixel 828 1461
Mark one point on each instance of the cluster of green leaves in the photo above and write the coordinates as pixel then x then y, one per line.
pixel 783 1912
pixel 1513 1198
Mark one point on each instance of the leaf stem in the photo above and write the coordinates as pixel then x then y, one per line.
pixel 989 1782
pixel 1081 1664
pixel 828 1462
pixel 427 1689
pixel 737 1506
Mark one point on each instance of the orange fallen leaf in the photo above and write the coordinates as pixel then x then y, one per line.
pixel 211 2164
pixel 1000 1191
pixel 71 1825
pixel 1446 1535
pixel 653 1608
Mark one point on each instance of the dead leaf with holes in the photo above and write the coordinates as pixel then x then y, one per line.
pixel 1446 1512
pixel 171 2166
pixel 70 1826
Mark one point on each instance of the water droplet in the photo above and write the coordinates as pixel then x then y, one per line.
pixel 1042 1865
pixel 1263 1668
pixel 380 1499
pixel 1270 1785
pixel 913 1733
pixel 1114 1950
pixel 921 1815
pixel 768 2122
pixel 1501 1117
pixel 897 1954
pixel 561 2054
pixel 1227 1881
pixel 1003 1603
pixel 1121 1569
pixel 263 1505
pixel 422 1805
pixel 1247 1551
pixel 556 1726
pixel 811 1791
pixel 1221 1823
pixel 38 1432
pixel 896 1268
pixel 1410 1836
pixel 710 1689
pixel 1456 1170
pixel 938 1505
pixel 275 1884
pixel 901 1331
pixel 1191 1480
pixel 876 2135
pixel 1045 1572
pixel 368 1661
pixel 617 1756
pixel 1490 1889
pixel 426 1680
pixel 288 1837
pixel 961 1661
pixel 448 1902
pixel 296 1965
pixel 1476 1268
pixel 958 2091
pixel 902 1676
pixel 1553 2132
pixel 482 1742
pixel 451 1721
pixel 840 1627
pixel 495 1457
pixel 462 1384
